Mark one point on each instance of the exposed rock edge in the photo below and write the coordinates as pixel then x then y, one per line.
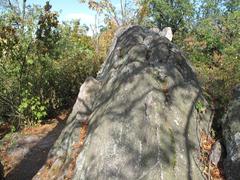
pixel 143 115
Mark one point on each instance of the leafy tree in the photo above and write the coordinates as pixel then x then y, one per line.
pixel 209 9
pixel 213 47
pixel 232 5
pixel 171 13
pixel 123 16
pixel 47 33
pixel 42 63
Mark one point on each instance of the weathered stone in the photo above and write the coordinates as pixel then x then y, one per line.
pixel 231 134
pixel 167 32
pixel 60 156
pixel 236 92
pixel 143 122
pixel 1 172
pixel 216 153
pixel 84 103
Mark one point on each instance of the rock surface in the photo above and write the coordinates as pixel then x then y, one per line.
pixel 58 165
pixel 231 134
pixel 167 32
pixel 1 172
pixel 143 117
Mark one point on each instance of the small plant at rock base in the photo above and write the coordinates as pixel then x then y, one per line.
pixel 200 107
pixel 32 108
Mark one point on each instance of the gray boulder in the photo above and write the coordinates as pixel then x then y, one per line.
pixel 166 32
pixel 231 135
pixel 145 115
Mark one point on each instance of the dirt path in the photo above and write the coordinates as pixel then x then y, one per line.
pixel 23 154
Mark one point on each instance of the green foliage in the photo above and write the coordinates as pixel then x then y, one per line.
pixel 200 107
pixel 171 13
pixel 214 50
pixel 232 5
pixel 32 107
pixel 42 64
pixel 120 16
pixel 47 33
pixel 209 36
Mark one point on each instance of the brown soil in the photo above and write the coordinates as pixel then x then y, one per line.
pixel 25 152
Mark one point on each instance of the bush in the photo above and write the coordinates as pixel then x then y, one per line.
pixel 213 47
pixel 42 64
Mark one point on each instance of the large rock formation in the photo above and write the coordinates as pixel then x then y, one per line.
pixel 231 135
pixel 145 113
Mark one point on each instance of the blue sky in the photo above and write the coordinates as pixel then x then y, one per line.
pixel 69 10
pixel 72 9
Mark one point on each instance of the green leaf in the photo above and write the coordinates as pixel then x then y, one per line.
pixel 30 61
pixel 42 108
pixel 33 108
